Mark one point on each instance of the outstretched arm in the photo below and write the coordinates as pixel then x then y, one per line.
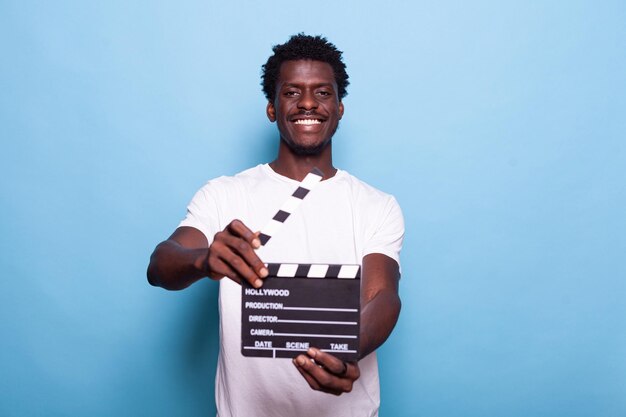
pixel 380 302
pixel 185 257
pixel 179 261
pixel 380 308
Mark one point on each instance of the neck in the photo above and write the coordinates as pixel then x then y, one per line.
pixel 294 166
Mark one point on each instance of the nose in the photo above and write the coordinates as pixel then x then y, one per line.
pixel 307 100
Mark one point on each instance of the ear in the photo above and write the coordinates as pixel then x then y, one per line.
pixel 270 110
pixel 340 110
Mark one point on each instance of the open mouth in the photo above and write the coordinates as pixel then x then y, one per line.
pixel 308 121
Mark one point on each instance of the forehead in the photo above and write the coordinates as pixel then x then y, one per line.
pixel 306 71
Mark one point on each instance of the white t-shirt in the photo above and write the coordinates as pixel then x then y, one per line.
pixel 339 222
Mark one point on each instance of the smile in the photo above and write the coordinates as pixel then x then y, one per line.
pixel 308 122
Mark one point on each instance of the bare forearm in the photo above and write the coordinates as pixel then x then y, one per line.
pixel 175 267
pixel 378 318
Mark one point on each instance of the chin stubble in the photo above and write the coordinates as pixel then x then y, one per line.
pixel 309 150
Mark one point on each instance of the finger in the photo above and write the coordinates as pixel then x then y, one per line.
pixel 240 269
pixel 237 228
pixel 313 383
pixel 309 379
pixel 332 363
pixel 223 259
pixel 344 371
pixel 325 379
pixel 221 270
pixel 245 250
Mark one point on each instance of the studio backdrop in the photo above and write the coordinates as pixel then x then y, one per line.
pixel 498 126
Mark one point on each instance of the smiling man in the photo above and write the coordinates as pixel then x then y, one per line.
pixel 306 106
pixel 344 221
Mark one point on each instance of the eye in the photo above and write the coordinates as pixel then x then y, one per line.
pixel 324 93
pixel 291 93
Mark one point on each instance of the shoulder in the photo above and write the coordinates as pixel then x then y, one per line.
pixel 377 210
pixel 365 193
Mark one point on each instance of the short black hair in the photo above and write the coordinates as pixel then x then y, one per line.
pixel 301 46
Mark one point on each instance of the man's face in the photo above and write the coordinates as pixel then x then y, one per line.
pixel 306 108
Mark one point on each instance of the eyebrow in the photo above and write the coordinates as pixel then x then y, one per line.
pixel 314 85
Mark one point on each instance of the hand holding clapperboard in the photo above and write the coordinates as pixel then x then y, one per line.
pixel 301 305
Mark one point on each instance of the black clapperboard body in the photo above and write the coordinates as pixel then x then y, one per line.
pixel 301 305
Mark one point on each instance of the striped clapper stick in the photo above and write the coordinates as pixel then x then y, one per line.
pixel 301 306
pixel 292 203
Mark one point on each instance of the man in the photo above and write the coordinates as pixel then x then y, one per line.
pixel 342 221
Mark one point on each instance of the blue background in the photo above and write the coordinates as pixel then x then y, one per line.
pixel 499 126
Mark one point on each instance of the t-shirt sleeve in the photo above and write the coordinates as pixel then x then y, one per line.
pixel 202 213
pixel 389 232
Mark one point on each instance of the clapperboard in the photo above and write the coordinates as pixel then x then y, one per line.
pixel 301 305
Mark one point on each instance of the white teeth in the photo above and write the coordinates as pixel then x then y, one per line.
pixel 308 122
